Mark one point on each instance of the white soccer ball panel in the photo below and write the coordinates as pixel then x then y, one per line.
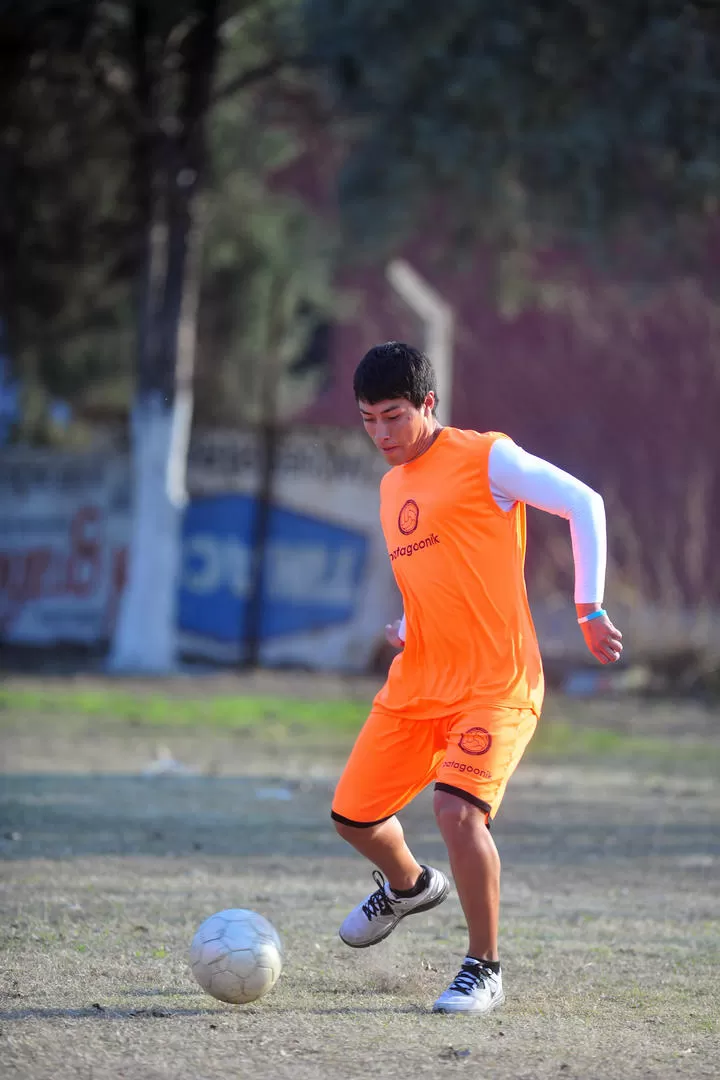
pixel 214 927
pixel 237 915
pixel 240 921
pixel 225 986
pixel 241 962
pixel 201 942
pixel 203 977
pixel 196 951
pixel 212 952
pixel 262 979
pixel 266 955
pixel 236 955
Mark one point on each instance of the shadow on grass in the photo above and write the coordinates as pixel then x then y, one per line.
pixel 105 1013
pixel 152 992
pixel 170 1013
pixel 60 816
pixel 352 1010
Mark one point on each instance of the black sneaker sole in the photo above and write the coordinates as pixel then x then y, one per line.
pixel 415 911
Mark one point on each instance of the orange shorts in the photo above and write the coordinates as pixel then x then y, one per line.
pixel 472 755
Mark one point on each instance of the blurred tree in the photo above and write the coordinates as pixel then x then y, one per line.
pixel 65 211
pixel 516 120
pixel 135 87
pixel 174 69
pixel 250 233
pixel 71 240
pixel 162 60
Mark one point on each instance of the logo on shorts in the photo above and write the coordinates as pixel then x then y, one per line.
pixel 408 517
pixel 463 767
pixel 476 740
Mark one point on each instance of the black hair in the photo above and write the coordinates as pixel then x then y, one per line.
pixel 394 370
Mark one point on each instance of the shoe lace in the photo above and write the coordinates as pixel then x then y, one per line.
pixel 470 977
pixel 378 903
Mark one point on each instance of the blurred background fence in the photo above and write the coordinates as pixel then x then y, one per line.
pixel 199 206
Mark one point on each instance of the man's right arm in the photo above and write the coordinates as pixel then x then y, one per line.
pixel 516 476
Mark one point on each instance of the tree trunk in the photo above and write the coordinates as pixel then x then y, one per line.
pixel 170 173
pixel 269 444
pixel 268 431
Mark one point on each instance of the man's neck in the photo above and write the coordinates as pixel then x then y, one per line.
pixel 426 440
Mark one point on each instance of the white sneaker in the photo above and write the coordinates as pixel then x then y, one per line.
pixel 378 915
pixel 475 989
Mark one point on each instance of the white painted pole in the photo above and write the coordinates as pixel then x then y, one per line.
pixel 438 321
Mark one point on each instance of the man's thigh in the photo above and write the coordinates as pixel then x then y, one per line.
pixel 484 747
pixel 392 760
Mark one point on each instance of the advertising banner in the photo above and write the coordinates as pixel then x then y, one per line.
pixel 327 586
pixel 63 533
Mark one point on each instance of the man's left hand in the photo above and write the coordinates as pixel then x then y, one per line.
pixel 602 639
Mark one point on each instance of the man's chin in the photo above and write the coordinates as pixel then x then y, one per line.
pixel 396 456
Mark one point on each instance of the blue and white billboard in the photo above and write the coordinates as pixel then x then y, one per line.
pixel 328 588
pixel 9 395
pixel 313 570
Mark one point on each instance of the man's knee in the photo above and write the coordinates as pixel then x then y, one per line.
pixel 344 830
pixel 458 810
pixel 349 830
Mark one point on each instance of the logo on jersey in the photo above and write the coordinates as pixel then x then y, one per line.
pixel 408 517
pixel 416 545
pixel 476 740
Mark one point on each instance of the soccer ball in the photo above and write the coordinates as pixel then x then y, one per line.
pixel 236 956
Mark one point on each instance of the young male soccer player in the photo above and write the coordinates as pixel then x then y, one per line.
pixel 463 696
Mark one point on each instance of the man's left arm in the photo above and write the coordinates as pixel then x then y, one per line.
pixel 516 476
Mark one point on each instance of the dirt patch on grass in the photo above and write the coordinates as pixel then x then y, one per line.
pixel 610 938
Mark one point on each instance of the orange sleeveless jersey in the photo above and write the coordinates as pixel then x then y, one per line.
pixel 458 560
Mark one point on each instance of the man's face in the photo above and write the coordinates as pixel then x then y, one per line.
pixel 396 427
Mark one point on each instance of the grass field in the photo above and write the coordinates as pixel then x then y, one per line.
pixel 610 840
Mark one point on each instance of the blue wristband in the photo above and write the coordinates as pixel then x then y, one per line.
pixel 592 615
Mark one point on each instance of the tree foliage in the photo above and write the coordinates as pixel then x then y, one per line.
pixel 521 117
pixel 64 214
pixel 93 135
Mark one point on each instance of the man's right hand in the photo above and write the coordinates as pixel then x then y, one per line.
pixel 392 635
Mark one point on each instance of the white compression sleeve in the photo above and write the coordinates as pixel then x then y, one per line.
pixel 516 476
